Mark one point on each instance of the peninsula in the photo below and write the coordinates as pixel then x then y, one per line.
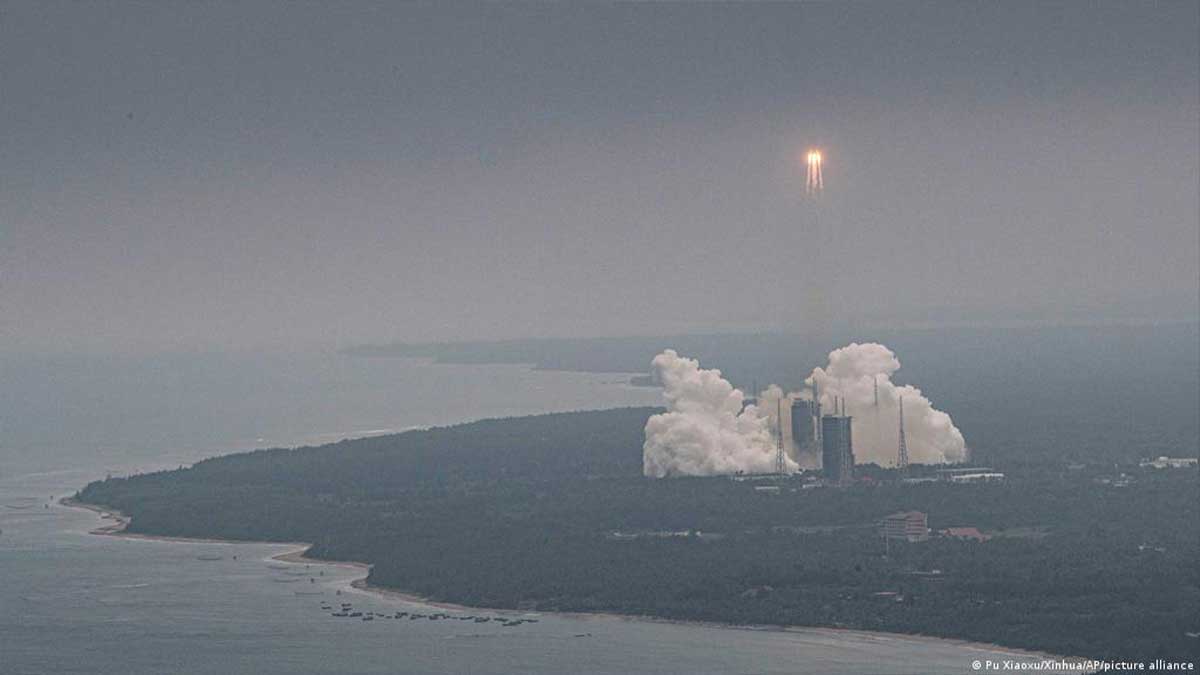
pixel 552 513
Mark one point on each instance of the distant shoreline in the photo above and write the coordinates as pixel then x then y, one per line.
pixel 120 521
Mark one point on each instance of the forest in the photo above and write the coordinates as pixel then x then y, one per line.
pixel 551 512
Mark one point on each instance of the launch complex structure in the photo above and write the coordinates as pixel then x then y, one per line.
pixel 826 435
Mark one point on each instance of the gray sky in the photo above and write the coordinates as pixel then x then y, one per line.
pixel 201 175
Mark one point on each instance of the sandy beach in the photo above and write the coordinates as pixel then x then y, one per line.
pixel 119 521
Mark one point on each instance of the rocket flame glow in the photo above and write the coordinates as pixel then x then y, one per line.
pixel 815 182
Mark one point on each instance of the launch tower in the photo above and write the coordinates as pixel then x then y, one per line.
pixel 837 447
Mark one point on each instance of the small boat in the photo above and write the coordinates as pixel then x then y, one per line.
pixel 209 557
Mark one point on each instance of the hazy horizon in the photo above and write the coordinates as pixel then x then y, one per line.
pixel 274 175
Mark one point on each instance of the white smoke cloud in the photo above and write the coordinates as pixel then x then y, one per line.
pixel 771 403
pixel 705 430
pixel 852 375
pixel 776 408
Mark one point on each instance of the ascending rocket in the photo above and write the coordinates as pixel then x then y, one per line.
pixel 815 182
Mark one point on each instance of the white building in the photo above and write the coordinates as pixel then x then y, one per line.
pixel 982 477
pixel 1170 462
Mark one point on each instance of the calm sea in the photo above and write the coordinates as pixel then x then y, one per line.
pixel 71 602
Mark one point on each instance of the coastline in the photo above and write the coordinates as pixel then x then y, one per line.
pixel 298 556
pixel 827 631
pixel 117 527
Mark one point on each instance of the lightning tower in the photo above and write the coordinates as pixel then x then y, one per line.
pixel 817 409
pixel 779 463
pixel 902 460
pixel 875 412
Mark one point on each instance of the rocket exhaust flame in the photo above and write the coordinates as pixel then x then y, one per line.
pixel 815 182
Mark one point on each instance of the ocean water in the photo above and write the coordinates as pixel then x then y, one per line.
pixel 73 602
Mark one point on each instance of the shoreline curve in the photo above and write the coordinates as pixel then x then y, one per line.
pixel 297 556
